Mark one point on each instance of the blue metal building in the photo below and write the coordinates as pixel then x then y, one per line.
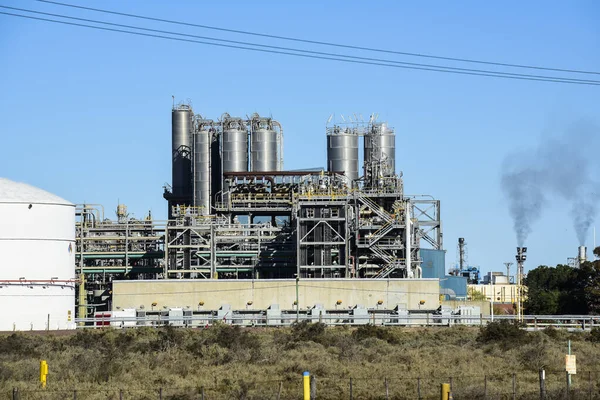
pixel 433 265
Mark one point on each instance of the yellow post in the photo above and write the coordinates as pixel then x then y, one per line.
pixel 445 393
pixel 43 372
pixel 306 385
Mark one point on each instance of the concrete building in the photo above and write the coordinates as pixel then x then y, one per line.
pixel 411 294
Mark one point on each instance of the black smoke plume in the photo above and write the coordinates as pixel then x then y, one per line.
pixel 562 166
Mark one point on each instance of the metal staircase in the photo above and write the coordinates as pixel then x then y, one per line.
pixel 384 272
pixel 380 233
pixel 376 208
pixel 390 262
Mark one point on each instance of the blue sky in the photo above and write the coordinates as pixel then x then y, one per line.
pixel 85 114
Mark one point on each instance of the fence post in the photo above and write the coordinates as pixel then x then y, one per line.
pixel 280 390
pixel 160 394
pixel 74 394
pixel 590 383
pixel 419 388
pixel 387 390
pixel 201 392
pixel 514 386
pixel 542 384
pixel 120 394
pixel 351 389
pixel 313 388
pixel 15 394
pixel 485 387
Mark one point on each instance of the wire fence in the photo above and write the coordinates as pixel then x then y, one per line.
pixel 523 386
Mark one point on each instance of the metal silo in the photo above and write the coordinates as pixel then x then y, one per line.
pixel 234 146
pixel 342 152
pixel 265 144
pixel 380 146
pixel 264 150
pixel 182 126
pixel 202 177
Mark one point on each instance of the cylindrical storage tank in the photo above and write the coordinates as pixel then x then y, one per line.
pixel 182 126
pixel 235 150
pixel 379 144
pixel 37 259
pixel 202 178
pixel 342 154
pixel 264 150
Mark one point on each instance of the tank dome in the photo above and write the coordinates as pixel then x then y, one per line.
pixel 18 192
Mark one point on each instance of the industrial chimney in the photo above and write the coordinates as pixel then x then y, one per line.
pixel 582 254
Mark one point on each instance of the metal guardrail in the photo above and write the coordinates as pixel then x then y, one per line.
pixel 529 322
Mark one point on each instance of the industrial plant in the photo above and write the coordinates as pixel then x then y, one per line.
pixel 245 235
pixel 235 213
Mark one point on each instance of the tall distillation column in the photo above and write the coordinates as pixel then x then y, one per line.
pixel 202 166
pixel 181 145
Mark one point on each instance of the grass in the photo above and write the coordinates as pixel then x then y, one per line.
pixel 241 363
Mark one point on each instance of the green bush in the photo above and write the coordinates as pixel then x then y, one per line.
pixel 594 336
pixel 371 331
pixel 507 333
pixel 306 331
pixel 553 333
pixel 20 345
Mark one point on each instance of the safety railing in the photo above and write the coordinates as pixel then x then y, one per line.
pixel 375 317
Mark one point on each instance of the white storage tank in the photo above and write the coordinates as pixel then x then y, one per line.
pixel 37 259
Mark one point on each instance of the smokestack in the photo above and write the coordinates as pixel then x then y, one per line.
pixel 520 257
pixel 461 251
pixel 582 254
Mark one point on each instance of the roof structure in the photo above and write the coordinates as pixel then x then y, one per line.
pixel 18 192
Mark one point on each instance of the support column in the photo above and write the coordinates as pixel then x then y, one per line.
pixel 213 252
pixel 82 312
pixel 408 238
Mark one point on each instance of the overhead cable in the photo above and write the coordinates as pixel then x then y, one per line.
pixel 323 43
pixel 299 50
pixel 333 57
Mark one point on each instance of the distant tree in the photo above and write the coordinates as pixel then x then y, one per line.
pixel 564 289
pixel 476 295
pixel 588 286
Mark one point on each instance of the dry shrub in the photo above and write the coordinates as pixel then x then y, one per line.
pixel 505 333
pixel 225 359
pixel 594 336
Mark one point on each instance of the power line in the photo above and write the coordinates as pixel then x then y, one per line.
pixel 301 50
pixel 332 58
pixel 466 60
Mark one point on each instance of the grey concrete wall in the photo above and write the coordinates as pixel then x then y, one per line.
pixel 263 293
